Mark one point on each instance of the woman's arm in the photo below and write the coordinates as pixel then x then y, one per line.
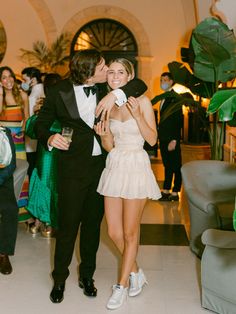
pixel 142 111
pixel 135 88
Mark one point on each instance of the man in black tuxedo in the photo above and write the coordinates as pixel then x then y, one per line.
pixel 169 133
pixel 79 164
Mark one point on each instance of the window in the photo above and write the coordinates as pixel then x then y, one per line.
pixel 108 36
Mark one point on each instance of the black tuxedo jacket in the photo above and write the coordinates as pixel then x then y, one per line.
pixel 60 104
pixel 171 120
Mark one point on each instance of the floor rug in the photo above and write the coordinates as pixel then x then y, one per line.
pixel 163 234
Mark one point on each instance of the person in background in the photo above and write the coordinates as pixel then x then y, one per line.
pixel 169 132
pixel 32 84
pixel 14 111
pixel 43 183
pixel 80 162
pixel 8 210
pixel 127 180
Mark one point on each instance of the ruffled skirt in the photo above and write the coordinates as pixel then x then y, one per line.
pixel 128 175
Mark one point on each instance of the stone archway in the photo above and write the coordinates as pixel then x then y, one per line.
pixel 46 19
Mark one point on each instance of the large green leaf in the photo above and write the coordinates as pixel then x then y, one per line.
pixel 223 101
pixel 214 46
pixel 183 76
pixel 208 51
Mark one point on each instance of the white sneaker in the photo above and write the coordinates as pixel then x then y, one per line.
pixel 119 294
pixel 136 282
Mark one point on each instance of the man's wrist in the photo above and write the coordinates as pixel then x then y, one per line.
pixel 121 98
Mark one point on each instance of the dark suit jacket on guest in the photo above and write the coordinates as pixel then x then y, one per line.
pixel 171 120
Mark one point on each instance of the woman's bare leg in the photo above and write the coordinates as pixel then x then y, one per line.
pixel 132 213
pixel 114 211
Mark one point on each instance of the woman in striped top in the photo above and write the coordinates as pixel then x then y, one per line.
pixel 14 111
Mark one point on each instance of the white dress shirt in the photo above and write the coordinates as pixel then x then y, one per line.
pixel 121 97
pixel 86 107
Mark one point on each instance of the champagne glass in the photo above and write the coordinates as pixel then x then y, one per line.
pixel 67 133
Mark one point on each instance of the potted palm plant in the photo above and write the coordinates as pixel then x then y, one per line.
pixel 211 62
pixel 49 59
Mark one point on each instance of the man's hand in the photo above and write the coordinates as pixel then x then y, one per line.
pixel 105 105
pixel 172 145
pixel 58 141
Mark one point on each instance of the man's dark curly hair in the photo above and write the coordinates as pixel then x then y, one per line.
pixel 83 65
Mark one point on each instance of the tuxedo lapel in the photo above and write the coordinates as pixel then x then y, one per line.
pixel 68 96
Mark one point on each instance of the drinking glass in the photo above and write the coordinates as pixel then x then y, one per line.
pixel 67 133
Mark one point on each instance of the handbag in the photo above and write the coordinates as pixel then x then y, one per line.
pixel 5 149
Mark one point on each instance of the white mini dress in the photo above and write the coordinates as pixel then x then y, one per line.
pixel 128 173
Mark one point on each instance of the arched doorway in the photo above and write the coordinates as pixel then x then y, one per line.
pixel 109 36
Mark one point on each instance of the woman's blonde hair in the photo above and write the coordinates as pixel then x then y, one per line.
pixel 128 65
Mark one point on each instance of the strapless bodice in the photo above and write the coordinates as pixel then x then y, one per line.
pixel 126 134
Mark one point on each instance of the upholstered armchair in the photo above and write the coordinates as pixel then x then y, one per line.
pixel 19 175
pixel 210 189
pixel 218 271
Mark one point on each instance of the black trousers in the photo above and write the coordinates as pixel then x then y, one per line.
pixel 79 206
pixel 8 218
pixel 172 164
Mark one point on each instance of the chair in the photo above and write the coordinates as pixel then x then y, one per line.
pixel 218 271
pixel 210 189
pixel 19 175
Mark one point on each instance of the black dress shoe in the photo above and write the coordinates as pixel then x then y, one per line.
pixel 88 286
pixel 164 197
pixel 57 293
pixel 174 198
pixel 5 265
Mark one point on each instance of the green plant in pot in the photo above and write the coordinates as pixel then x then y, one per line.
pixel 211 61
pixel 53 58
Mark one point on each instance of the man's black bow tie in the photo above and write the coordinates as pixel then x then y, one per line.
pixel 87 90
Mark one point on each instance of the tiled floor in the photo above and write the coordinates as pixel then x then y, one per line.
pixel 173 273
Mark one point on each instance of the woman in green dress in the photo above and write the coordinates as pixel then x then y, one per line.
pixel 42 202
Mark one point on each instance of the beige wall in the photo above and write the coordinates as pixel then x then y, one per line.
pixel 160 27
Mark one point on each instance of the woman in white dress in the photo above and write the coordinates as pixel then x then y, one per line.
pixel 127 180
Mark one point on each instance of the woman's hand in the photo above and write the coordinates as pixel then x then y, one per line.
pixel 102 128
pixel 134 107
